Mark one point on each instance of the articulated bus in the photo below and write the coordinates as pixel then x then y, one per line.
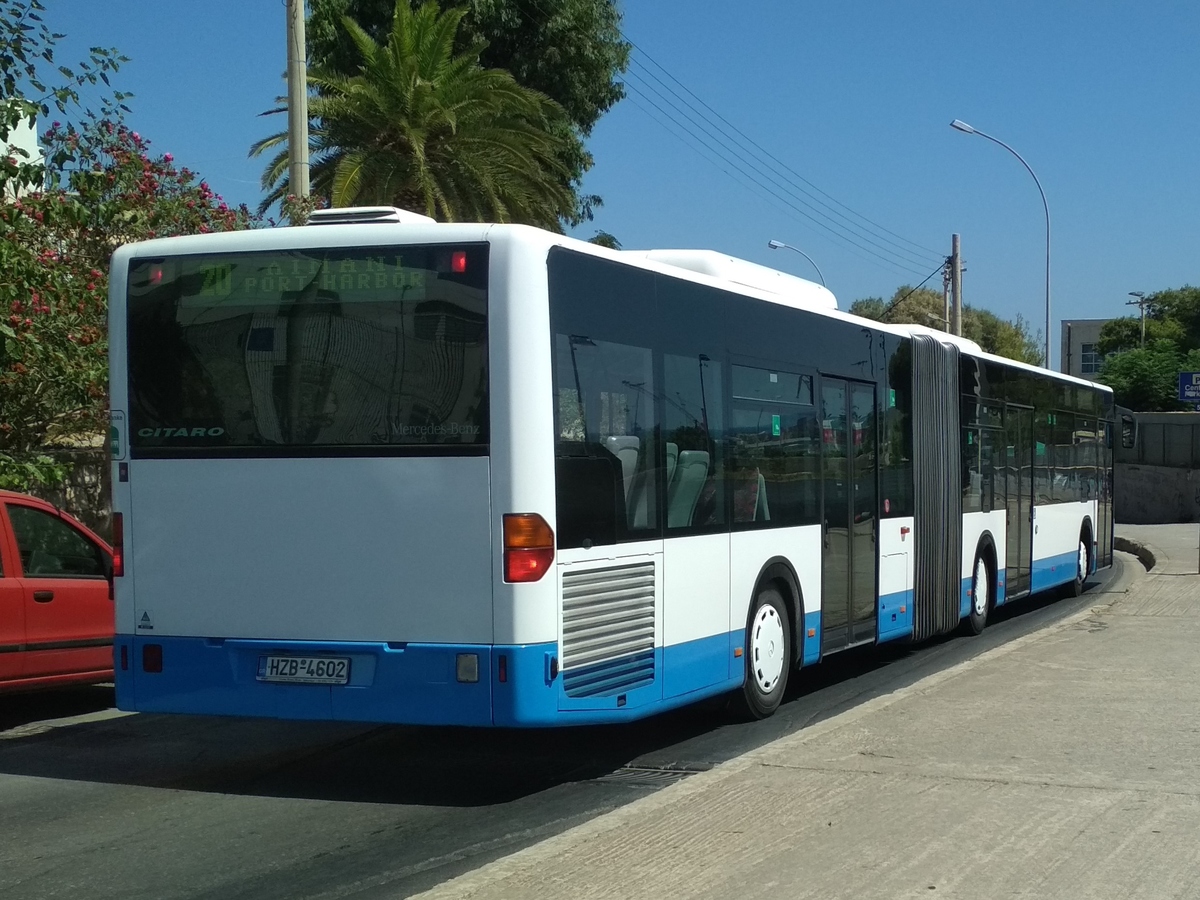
pixel 378 468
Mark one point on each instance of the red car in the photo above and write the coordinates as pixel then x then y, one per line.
pixel 56 611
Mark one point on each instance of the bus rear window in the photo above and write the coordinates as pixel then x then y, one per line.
pixel 339 351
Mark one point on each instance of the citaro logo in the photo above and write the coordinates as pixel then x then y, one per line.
pixel 180 432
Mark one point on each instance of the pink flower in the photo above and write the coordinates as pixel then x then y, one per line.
pixel 167 157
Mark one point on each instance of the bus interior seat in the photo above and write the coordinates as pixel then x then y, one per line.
pixel 641 503
pixel 762 513
pixel 690 474
pixel 626 448
pixel 672 460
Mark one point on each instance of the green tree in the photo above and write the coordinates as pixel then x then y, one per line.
pixel 1119 335
pixel 570 50
pixel 923 306
pixel 1181 306
pixel 102 188
pixel 61 217
pixel 430 130
pixel 604 239
pixel 1147 379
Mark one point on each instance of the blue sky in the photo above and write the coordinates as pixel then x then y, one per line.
pixel 1101 98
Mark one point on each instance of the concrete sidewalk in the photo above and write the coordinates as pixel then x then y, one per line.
pixel 1063 764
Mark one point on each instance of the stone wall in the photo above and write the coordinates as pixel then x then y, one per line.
pixel 1151 495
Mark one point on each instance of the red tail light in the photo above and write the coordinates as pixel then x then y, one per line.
pixel 118 544
pixel 528 547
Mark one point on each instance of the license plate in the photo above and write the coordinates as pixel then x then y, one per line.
pixel 304 669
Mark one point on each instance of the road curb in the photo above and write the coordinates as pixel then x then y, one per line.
pixel 1146 553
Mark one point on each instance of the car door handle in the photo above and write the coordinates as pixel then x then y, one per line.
pixel 43 596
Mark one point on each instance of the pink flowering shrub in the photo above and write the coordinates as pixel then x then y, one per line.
pixel 102 187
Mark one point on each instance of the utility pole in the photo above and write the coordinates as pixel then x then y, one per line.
pixel 946 296
pixel 1141 303
pixel 956 284
pixel 297 103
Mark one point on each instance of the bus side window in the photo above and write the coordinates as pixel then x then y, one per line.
pixel 972 477
pixel 693 425
pixel 774 449
pixel 606 470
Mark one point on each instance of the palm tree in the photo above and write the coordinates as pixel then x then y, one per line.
pixel 430 131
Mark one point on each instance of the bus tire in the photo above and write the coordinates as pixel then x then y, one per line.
pixel 981 593
pixel 768 654
pixel 1082 564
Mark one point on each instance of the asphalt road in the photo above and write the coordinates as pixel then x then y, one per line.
pixel 98 804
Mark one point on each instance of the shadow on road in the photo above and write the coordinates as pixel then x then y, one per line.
pixel 454 767
pixel 57 703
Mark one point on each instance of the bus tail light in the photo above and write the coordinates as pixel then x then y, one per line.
pixel 118 544
pixel 528 547
pixel 152 658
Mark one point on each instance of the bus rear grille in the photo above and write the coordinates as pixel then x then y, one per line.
pixel 608 630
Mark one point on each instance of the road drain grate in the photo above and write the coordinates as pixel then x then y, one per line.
pixel 647 776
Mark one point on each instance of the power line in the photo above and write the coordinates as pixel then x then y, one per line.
pixel 896 303
pixel 805 209
pixel 728 167
pixel 763 165
pixel 783 171
pixel 727 133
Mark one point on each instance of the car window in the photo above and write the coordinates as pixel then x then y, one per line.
pixel 50 548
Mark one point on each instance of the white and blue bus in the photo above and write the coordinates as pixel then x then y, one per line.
pixel 381 469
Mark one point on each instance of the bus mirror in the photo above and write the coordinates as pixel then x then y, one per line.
pixel 1128 431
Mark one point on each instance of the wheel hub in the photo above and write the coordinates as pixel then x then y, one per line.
pixel 983 588
pixel 767 645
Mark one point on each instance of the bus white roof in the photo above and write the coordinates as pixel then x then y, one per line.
pixel 791 290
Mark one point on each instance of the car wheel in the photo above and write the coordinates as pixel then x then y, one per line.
pixel 768 655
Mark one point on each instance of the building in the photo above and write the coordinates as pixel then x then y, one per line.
pixel 22 137
pixel 1079 354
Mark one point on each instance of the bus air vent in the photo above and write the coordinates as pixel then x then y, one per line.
pixel 358 215
pixel 608 630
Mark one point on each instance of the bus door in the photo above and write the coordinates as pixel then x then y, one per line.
pixel 1018 466
pixel 1104 457
pixel 848 445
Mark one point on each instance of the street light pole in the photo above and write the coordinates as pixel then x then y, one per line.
pixel 959 125
pixel 1140 303
pixel 776 245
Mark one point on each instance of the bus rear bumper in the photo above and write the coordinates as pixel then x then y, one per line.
pixel 415 684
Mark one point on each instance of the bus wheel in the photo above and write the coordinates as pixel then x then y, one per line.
pixel 768 655
pixel 1075 588
pixel 981 595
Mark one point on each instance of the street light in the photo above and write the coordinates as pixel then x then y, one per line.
pixel 959 125
pixel 1141 302
pixel 775 245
